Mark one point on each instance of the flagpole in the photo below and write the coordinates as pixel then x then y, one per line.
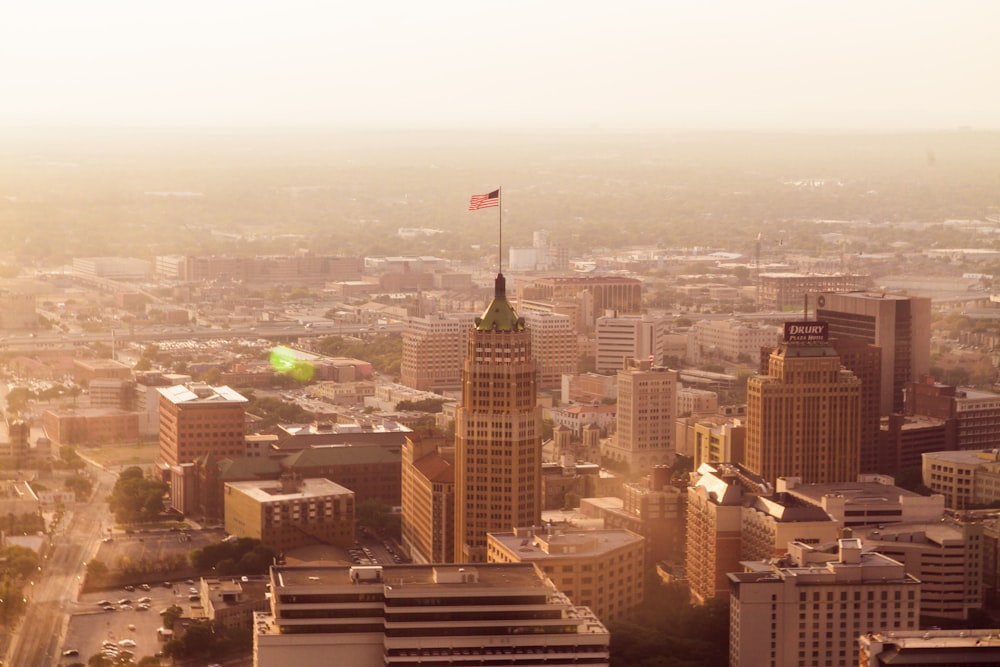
pixel 500 212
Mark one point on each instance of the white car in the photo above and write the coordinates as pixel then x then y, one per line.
pixel 127 643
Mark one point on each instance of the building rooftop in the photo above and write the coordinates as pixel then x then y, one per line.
pixel 539 544
pixel 266 491
pixel 197 392
pixel 493 575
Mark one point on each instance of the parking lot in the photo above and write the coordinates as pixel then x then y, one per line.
pixel 90 625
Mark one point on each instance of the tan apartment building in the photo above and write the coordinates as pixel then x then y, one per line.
pixel 433 351
pixel 647 408
pixel 428 499
pixel 599 569
pixel 289 513
pixel 809 609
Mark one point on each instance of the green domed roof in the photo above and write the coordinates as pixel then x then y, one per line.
pixel 500 315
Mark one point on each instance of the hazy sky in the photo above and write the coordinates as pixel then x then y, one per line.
pixel 874 64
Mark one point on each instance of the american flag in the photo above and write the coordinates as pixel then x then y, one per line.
pixel 484 201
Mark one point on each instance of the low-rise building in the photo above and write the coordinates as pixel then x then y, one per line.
pixel 291 512
pixel 404 615
pixel 599 569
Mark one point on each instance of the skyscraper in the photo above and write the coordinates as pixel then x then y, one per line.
pixel 497 432
pixel 647 408
pixel 900 325
pixel 804 416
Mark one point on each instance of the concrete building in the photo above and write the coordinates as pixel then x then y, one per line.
pixel 965 478
pixel 615 293
pixel 409 615
pixel 972 418
pixel 714 525
pixel 692 401
pixel 231 603
pixel 871 500
pixel 730 340
pixel 969 646
pixel 621 337
pixel 553 346
pixel 804 416
pixel 589 388
pixel 428 499
pixel 112 393
pixel 781 291
pixel 90 426
pixel 603 570
pixel 946 556
pixel 196 419
pixel 905 439
pixel 577 417
pixel 655 509
pixel 900 325
pixel 497 431
pixel 290 512
pixel 809 609
pixel 647 408
pixel 865 361
pixel 433 351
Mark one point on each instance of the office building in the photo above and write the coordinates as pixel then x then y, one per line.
pixel 647 408
pixel 427 510
pixel 972 418
pixel 497 431
pixel 900 325
pixel 945 555
pixel 196 419
pixel 870 500
pixel 865 361
pixel 730 340
pixel 602 570
pixel 409 615
pixel 656 509
pixel 905 439
pixel 714 525
pixel 804 416
pixel 809 608
pixel 554 347
pixel 621 337
pixel 783 291
pixel 967 646
pixel 290 512
pixel 965 478
pixel 433 351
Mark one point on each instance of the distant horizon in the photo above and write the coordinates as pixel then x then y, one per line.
pixel 645 65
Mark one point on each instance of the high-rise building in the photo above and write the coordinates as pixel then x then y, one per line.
pixel 804 416
pixel 627 337
pixel 809 609
pixel 196 419
pixel 965 646
pixel 554 347
pixel 647 408
pixel 433 350
pixel 498 455
pixel 900 325
pixel 865 361
pixel 427 520
pixel 972 418
pixel 409 615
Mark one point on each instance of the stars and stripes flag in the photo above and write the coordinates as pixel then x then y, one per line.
pixel 484 201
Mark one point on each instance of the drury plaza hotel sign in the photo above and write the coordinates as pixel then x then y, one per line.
pixel 806 332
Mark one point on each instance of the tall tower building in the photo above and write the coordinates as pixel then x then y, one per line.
pixel 900 325
pixel 498 456
pixel 197 419
pixel 647 409
pixel 433 348
pixel 804 416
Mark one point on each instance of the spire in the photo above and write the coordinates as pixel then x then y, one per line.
pixel 500 315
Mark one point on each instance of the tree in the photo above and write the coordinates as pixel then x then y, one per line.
pixel 81 486
pixel 136 498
